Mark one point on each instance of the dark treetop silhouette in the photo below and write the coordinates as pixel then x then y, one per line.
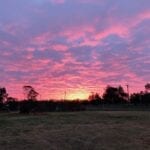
pixel 115 96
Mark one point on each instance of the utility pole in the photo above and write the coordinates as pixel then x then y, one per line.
pixel 128 92
pixel 65 95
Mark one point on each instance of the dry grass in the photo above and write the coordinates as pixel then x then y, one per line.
pixel 93 130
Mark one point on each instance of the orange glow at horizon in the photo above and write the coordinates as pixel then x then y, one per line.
pixel 77 94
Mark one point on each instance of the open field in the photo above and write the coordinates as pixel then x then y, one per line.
pixel 95 130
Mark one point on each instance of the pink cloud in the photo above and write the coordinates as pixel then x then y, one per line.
pixel 55 48
pixel 59 47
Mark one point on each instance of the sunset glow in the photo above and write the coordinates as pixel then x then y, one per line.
pixel 77 94
pixel 70 45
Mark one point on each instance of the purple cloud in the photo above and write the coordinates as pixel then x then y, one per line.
pixel 58 45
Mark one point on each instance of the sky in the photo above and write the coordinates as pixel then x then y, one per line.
pixel 74 46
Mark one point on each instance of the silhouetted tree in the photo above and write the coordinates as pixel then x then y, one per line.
pixel 3 96
pixel 122 94
pixel 31 104
pixel 146 98
pixel 136 98
pixel 147 87
pixel 12 104
pixel 114 95
pixel 95 99
pixel 30 92
pixel 140 98
pixel 28 106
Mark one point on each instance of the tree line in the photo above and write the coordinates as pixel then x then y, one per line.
pixel 115 96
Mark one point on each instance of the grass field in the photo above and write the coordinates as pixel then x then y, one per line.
pixel 95 130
